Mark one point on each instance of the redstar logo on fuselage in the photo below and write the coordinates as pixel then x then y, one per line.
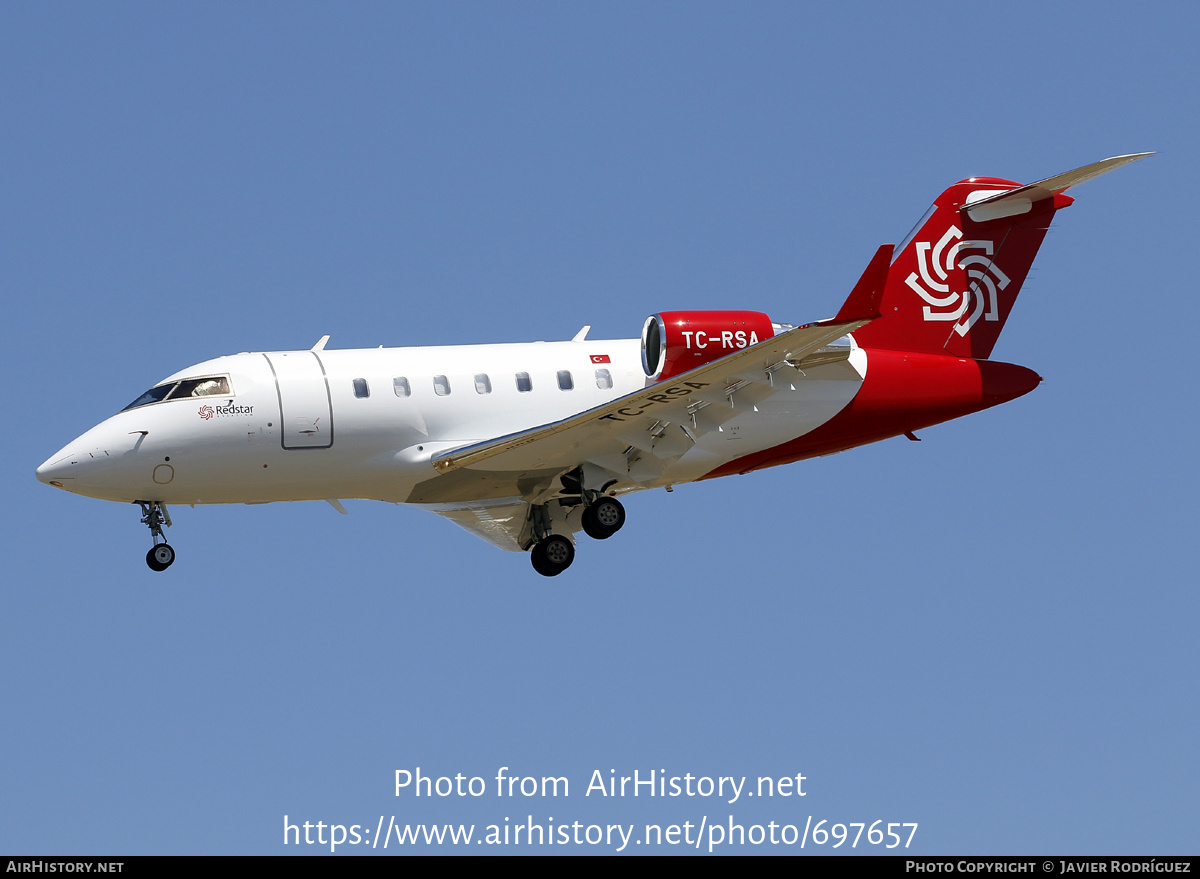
pixel 209 412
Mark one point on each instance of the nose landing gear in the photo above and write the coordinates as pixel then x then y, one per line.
pixel 154 516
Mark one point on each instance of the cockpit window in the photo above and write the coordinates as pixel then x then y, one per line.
pixel 203 387
pixel 210 386
pixel 151 396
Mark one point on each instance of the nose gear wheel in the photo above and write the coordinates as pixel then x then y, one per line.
pixel 154 516
pixel 160 557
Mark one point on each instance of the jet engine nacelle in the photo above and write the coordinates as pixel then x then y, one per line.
pixel 676 341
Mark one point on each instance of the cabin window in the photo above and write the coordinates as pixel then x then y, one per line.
pixel 361 390
pixel 483 384
pixel 603 379
pixel 400 386
pixel 565 382
pixel 524 384
pixel 441 385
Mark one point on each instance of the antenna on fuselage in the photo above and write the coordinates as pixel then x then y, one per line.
pixel 320 346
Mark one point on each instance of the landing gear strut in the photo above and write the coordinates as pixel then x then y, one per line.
pixel 154 516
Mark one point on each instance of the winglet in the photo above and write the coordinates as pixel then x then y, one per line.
pixel 863 301
pixel 320 346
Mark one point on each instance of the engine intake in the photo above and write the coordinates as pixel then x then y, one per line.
pixel 676 341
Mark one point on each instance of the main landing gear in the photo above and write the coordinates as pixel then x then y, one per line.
pixel 155 515
pixel 553 553
pixel 603 518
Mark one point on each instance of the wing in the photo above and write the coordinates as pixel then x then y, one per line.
pixel 663 420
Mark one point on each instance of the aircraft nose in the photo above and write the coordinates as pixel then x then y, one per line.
pixel 57 469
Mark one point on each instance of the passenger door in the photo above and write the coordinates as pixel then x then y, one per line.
pixel 305 411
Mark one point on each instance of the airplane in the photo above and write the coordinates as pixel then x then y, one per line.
pixel 526 445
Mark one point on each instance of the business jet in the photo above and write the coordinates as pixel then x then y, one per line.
pixel 526 445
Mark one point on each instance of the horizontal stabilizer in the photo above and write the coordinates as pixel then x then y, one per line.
pixel 1020 200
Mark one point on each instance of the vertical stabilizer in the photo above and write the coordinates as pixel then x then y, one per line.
pixel 952 285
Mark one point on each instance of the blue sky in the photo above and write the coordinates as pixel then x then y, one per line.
pixel 991 633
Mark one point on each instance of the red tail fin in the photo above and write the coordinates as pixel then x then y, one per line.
pixel 953 284
pixel 951 288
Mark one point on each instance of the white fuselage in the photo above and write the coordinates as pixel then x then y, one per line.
pixel 364 423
